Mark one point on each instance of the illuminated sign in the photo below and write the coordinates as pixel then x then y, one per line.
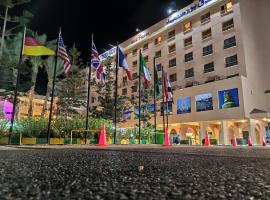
pixel 140 37
pixel 107 54
pixel 189 10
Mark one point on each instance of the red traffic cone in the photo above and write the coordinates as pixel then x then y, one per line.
pixel 234 141
pixel 102 136
pixel 167 142
pixel 249 141
pixel 207 142
pixel 263 141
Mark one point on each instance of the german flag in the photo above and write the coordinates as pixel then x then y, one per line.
pixel 33 48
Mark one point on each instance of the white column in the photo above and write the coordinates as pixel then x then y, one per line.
pixel 223 133
pixel 202 131
pixel 252 132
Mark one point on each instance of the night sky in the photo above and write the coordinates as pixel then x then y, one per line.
pixel 111 21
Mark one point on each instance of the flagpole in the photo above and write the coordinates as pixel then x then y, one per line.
pixel 88 91
pixel 155 103
pixel 116 93
pixel 140 76
pixel 53 89
pixel 163 101
pixel 16 87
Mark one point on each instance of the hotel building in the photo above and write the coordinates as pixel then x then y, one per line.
pixel 217 56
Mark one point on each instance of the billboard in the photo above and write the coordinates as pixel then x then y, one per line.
pixel 228 98
pixel 204 102
pixel 184 105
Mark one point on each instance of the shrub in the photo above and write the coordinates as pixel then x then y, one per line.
pixel 4 127
pixel 212 141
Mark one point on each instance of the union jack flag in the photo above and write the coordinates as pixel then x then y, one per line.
pixel 62 52
pixel 96 63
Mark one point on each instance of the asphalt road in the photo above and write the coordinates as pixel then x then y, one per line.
pixel 135 173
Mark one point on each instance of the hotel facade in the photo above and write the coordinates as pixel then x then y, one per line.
pixel 217 56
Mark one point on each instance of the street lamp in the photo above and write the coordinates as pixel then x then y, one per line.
pixel 138 30
pixel 170 11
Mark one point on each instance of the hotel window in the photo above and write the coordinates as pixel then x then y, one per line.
pixel 172 62
pixel 173 77
pixel 187 26
pixel 171 34
pixel 159 67
pixel 208 50
pixel 158 40
pixel 189 73
pixel 188 41
pixel 145 47
pixel 205 18
pixel 230 42
pixel 206 34
pixel 231 61
pixel 134 76
pixel 228 25
pixel 124 91
pixel 146 58
pixel 124 81
pixel 135 63
pixel 158 54
pixel 134 88
pixel 189 57
pixel 226 8
pixel 172 48
pixel 209 67
pixel 134 52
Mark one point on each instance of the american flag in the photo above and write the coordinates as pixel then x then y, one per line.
pixel 96 63
pixel 62 52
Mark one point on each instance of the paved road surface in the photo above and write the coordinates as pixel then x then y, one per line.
pixel 135 173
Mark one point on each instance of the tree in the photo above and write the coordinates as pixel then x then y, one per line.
pixel 16 21
pixel 106 99
pixel 72 91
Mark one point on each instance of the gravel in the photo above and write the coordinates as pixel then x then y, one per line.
pixel 174 173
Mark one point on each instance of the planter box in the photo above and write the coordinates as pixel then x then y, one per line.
pixel 57 141
pixel 41 141
pixel 80 141
pixel 124 141
pixel 212 141
pixel 3 140
pixel 29 141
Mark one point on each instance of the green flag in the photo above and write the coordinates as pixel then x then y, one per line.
pixel 157 89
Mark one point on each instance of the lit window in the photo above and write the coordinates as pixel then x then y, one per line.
pixel 158 40
pixel 187 26
pixel 226 8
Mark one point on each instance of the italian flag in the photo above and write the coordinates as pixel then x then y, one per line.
pixel 145 71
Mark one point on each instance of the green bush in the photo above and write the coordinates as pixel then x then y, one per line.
pixel 241 141
pixel 3 127
pixel 184 141
pixel 31 127
pixel 212 141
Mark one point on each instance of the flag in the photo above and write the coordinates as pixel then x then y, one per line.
pixel 33 48
pixel 167 87
pixel 156 81
pixel 145 71
pixel 62 52
pixel 96 63
pixel 123 63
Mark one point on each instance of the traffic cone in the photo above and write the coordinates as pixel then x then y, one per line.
pixel 249 141
pixel 167 142
pixel 102 136
pixel 207 142
pixel 263 141
pixel 234 141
